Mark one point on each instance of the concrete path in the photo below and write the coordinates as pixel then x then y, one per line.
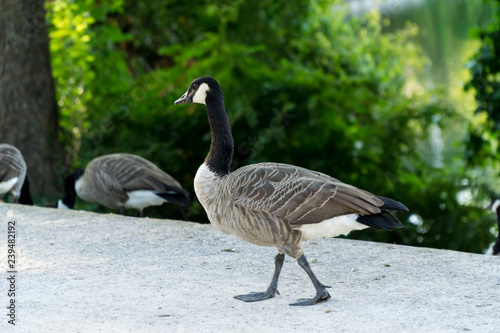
pixel 85 272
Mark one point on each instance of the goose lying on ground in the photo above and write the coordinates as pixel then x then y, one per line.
pixel 122 181
pixel 272 204
pixel 13 176
pixel 495 208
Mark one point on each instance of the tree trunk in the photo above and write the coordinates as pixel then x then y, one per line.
pixel 28 113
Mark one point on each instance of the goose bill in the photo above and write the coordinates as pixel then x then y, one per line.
pixel 184 99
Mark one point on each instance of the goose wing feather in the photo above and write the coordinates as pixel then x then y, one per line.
pixel 11 162
pixel 125 172
pixel 299 195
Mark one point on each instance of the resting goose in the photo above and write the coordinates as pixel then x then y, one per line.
pixel 122 181
pixel 13 176
pixel 273 204
pixel 495 208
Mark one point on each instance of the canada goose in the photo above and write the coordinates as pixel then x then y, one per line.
pixel 120 181
pixel 495 208
pixel 272 204
pixel 13 176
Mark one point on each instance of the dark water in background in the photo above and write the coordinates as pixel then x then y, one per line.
pixel 446 38
pixel 444 32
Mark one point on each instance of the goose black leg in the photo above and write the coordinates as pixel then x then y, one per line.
pixel 273 287
pixel 321 293
pixel 122 210
pixel 139 213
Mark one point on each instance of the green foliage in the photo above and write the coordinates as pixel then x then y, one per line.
pixel 88 68
pixel 303 84
pixel 485 69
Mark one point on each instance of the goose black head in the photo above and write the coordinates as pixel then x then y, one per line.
pixel 200 90
pixel 494 206
pixel 70 181
pixel 68 202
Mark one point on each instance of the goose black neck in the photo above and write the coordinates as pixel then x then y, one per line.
pixel 69 189
pixel 69 198
pixel 25 197
pixel 221 149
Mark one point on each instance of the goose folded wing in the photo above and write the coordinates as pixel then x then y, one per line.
pixel 7 173
pixel 105 184
pixel 10 164
pixel 299 195
pixel 134 173
pixel 133 176
pixel 139 180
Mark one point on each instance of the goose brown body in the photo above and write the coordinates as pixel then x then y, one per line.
pixel 12 169
pixel 273 204
pixel 269 203
pixel 115 181
pixel 13 177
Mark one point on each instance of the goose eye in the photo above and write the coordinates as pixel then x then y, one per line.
pixel 195 86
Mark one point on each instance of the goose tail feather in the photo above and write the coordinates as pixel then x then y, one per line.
pixel 383 220
pixel 392 204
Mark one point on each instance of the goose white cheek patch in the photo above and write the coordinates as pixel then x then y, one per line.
pixel 201 94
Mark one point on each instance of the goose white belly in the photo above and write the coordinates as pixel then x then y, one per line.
pixel 143 198
pixel 6 186
pixel 340 225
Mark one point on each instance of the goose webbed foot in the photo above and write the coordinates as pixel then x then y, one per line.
pixel 279 259
pixel 255 297
pixel 321 296
pixel 321 292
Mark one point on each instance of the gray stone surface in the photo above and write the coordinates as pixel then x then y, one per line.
pixel 86 272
